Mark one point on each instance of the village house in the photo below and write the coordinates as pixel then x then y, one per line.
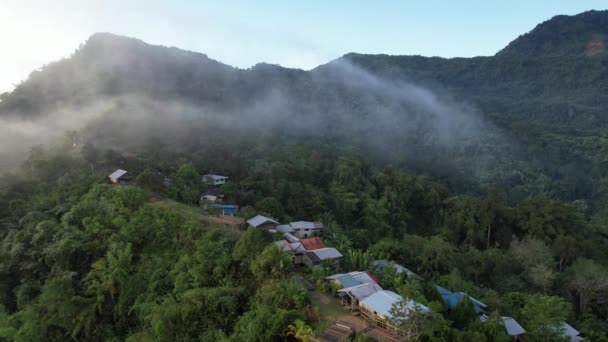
pixel 294 248
pixel 212 196
pixel 317 256
pixel 377 307
pixel 312 243
pixel 215 180
pixel 343 280
pixel 302 229
pixel 262 222
pixel 298 247
pixel 119 177
pixel 353 295
pixel 451 299
pixel 516 331
pixel 380 264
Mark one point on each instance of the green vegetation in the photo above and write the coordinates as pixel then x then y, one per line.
pixel 88 260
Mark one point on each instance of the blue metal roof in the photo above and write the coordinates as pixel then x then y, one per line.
pixel 347 280
pixel 451 299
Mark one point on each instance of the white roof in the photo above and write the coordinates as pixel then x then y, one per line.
pixel 306 225
pixel 327 253
pixel 117 174
pixel 260 220
pixel 291 238
pixel 285 228
pixel 382 301
pixel 215 177
pixel 362 291
pixel 513 328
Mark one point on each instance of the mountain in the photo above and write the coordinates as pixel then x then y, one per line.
pixel 533 112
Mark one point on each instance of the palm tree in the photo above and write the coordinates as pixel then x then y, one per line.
pixel 299 330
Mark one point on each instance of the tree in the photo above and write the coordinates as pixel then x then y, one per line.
pixel 589 282
pixel 264 323
pixel 299 330
pixel 149 179
pixel 188 183
pixel 542 316
pixel 410 320
pixel 271 263
pixel 463 314
pixel 250 244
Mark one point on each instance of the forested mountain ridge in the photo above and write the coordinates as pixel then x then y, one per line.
pixel 539 103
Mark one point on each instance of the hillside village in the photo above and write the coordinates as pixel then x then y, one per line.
pixel 376 311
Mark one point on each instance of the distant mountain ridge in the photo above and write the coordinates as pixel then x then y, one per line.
pixel 562 35
pixel 546 93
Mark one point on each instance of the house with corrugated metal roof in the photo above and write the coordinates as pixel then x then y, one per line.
pixel 451 299
pixel 353 295
pixel 212 196
pixel 379 265
pixel 262 222
pixel 352 278
pixel 302 229
pixel 215 180
pixel 377 307
pixel 294 248
pixel 313 243
pixel 317 256
pixel 119 176
pixel 514 329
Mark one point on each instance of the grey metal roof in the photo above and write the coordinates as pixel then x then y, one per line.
pixel 381 302
pixel 291 238
pixel 306 225
pixel 214 177
pixel 362 291
pixel 117 174
pixel 327 253
pixel 398 268
pixel 260 220
pixel 570 332
pixel 286 246
pixel 285 228
pixel 513 328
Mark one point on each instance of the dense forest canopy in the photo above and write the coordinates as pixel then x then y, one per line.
pixel 486 175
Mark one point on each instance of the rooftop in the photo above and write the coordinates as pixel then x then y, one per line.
pixel 285 228
pixel 214 177
pixel 306 225
pixel 313 243
pixel 381 302
pixel 362 291
pixel 513 328
pixel 326 253
pixel 117 174
pixel 260 220
pixel 451 299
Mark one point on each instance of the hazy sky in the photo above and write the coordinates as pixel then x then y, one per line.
pixel 299 34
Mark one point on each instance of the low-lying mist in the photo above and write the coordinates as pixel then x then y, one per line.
pixel 396 122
